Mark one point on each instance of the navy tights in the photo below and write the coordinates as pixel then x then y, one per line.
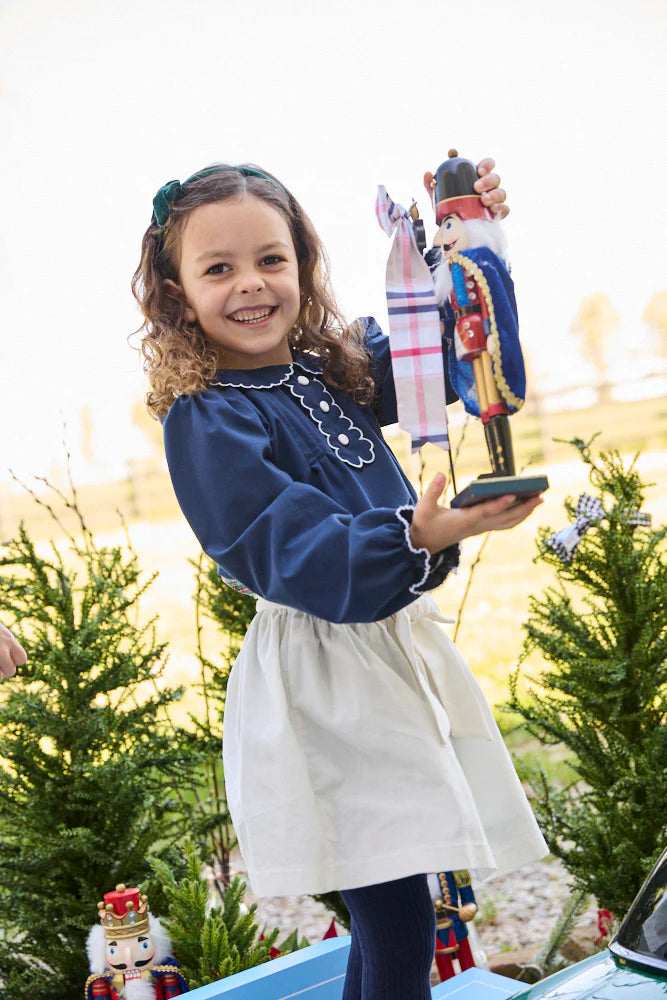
pixel 393 940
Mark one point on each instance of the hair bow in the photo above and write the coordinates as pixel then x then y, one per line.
pixel 164 199
pixel 173 190
pixel 589 511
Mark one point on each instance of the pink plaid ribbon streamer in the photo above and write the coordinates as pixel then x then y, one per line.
pixel 414 331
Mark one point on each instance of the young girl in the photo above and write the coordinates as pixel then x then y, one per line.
pixel 359 753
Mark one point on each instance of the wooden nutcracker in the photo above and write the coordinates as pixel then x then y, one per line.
pixel 129 952
pixel 455 907
pixel 476 294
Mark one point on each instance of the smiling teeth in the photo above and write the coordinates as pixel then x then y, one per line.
pixel 254 316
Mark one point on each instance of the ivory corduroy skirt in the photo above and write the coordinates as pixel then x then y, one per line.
pixel 362 753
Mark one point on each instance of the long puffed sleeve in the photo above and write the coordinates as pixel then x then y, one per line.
pixel 287 540
pixel 384 402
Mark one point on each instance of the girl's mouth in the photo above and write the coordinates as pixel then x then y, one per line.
pixel 251 316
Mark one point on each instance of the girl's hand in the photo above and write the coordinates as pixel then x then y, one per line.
pixel 434 527
pixel 488 186
pixel 12 653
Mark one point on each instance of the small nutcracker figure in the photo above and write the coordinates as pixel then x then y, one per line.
pixel 129 952
pixel 455 906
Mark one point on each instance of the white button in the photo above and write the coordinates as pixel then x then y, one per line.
pixel 470 284
pixel 343 438
pixel 472 296
pixel 302 380
pixel 324 406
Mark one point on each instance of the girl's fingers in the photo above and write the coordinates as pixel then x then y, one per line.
pixel 504 512
pixel 517 513
pixel 489 182
pixel 492 507
pixel 435 489
pixel 485 166
pixel 18 654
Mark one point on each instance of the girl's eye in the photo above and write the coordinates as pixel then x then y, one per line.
pixel 218 269
pixel 274 258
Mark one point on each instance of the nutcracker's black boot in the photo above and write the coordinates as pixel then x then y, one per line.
pixel 499 444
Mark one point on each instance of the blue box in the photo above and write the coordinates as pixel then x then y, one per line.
pixel 318 973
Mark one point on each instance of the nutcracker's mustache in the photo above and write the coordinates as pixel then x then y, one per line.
pixel 137 965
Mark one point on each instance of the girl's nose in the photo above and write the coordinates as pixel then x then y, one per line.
pixel 250 281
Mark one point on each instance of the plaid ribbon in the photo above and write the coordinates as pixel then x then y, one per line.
pixel 590 511
pixel 414 331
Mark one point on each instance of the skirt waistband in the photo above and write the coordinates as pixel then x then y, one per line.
pixel 423 607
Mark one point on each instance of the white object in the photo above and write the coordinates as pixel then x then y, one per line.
pixel 362 753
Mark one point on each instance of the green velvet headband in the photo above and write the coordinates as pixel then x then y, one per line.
pixel 173 190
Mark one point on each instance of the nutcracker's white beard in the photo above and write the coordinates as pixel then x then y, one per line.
pixel 139 989
pixel 480 233
pixel 442 280
pixel 484 233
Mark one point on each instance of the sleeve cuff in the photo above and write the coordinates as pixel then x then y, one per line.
pixel 434 567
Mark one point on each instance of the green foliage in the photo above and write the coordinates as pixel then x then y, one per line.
pixel 602 693
pixel 86 762
pixel 215 944
pixel 293 943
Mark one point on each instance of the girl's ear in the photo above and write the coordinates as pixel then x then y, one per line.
pixel 175 291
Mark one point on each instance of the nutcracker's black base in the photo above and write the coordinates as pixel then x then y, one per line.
pixel 490 487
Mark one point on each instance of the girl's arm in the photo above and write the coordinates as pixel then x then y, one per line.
pixel 287 540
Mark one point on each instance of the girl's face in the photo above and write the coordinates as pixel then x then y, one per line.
pixel 239 274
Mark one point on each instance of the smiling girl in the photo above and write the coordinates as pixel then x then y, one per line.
pixel 359 752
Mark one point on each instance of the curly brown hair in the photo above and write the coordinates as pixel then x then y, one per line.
pixel 178 357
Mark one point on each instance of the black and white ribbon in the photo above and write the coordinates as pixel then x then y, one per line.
pixel 589 511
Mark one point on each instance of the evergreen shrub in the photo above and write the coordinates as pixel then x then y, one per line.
pixel 602 693
pixel 88 762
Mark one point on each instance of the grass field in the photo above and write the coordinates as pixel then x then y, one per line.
pixel 490 636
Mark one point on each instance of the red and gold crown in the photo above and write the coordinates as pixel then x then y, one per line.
pixel 124 912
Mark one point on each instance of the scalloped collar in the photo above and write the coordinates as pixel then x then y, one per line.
pixel 269 376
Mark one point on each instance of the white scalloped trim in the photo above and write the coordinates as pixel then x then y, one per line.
pixel 319 423
pixel 305 360
pixel 250 385
pixel 414 589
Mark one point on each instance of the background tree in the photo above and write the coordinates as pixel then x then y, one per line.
pixel 603 692
pixel 655 317
pixel 87 761
pixel 594 324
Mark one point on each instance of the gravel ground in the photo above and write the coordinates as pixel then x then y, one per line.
pixel 515 911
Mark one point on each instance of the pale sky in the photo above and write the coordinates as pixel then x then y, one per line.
pixel 101 103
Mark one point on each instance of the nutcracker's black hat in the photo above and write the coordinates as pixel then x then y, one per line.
pixel 453 191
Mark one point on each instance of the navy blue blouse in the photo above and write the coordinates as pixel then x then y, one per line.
pixel 290 487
